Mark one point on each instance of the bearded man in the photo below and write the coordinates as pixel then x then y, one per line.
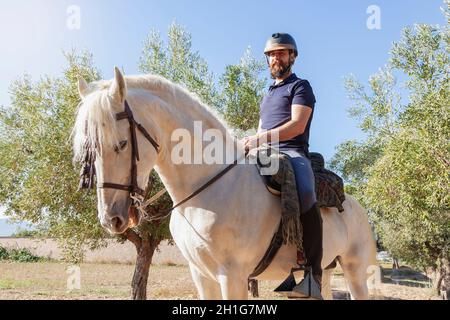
pixel 286 112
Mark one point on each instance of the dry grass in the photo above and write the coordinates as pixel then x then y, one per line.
pixel 47 280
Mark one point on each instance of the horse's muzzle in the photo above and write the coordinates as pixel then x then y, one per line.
pixel 133 217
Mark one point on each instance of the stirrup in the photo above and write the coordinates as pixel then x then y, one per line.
pixel 307 288
pixel 286 287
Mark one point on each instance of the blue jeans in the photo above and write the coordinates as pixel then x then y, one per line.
pixel 304 178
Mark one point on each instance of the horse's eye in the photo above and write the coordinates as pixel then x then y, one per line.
pixel 121 146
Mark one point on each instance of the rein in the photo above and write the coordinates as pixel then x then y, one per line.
pixel 196 192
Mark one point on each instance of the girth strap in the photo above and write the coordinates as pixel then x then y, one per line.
pixel 275 245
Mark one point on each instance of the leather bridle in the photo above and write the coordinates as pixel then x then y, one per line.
pixel 133 187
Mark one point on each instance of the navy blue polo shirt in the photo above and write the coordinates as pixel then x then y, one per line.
pixel 275 108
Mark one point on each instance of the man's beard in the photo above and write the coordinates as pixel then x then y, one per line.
pixel 280 69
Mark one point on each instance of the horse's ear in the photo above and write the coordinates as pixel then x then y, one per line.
pixel 82 87
pixel 118 89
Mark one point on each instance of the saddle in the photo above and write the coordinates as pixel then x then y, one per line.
pixel 329 186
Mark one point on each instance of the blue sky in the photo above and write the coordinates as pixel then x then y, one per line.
pixel 333 40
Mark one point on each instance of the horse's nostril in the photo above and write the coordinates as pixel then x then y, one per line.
pixel 116 222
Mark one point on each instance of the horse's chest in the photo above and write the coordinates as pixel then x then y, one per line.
pixel 197 239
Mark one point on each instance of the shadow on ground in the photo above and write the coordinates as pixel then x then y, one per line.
pixel 405 276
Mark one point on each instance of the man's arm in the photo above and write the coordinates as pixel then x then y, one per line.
pixel 294 127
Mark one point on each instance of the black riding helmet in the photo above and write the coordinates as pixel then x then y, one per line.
pixel 279 41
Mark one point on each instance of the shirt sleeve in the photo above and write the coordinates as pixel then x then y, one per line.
pixel 303 95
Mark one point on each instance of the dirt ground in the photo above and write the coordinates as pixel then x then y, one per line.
pixel 48 280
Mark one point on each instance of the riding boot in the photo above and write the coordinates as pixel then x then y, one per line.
pixel 312 244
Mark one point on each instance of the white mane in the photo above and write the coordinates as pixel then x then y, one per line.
pixel 96 124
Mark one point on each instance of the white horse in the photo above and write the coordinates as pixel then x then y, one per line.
pixel 224 231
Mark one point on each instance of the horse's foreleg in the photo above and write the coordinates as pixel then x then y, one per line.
pixel 233 286
pixel 356 276
pixel 207 289
pixel 326 284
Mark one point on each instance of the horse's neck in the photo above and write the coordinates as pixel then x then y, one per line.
pixel 182 179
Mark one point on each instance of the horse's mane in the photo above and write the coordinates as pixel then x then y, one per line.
pixel 95 124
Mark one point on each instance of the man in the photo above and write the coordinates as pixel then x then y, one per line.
pixel 287 111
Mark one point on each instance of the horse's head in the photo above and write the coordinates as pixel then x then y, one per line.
pixel 103 127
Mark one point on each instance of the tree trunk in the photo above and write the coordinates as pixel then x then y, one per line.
pixel 395 264
pixel 145 248
pixel 441 279
pixel 443 285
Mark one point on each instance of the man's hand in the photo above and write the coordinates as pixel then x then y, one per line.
pixel 250 142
